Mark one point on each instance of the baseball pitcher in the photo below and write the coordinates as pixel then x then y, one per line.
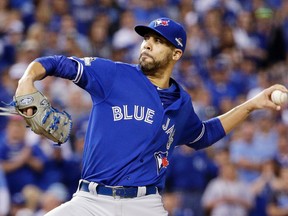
pixel 139 115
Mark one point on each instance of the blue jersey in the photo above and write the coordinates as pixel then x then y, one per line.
pixel 130 136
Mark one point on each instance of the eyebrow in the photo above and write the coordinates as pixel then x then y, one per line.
pixel 155 34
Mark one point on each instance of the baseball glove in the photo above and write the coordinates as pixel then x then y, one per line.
pixel 46 120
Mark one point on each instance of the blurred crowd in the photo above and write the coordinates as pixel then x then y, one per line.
pixel 235 48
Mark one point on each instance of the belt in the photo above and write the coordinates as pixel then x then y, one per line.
pixel 119 191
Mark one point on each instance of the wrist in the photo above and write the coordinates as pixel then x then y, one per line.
pixel 25 86
pixel 248 107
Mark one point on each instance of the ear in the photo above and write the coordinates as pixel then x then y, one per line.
pixel 177 54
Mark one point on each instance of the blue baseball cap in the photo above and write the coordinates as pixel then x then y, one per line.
pixel 167 28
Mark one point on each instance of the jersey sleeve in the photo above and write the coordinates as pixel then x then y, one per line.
pixel 201 134
pixel 59 66
pixel 95 75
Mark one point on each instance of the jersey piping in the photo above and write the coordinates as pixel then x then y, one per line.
pixel 79 71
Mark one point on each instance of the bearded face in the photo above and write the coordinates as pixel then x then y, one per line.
pixel 150 65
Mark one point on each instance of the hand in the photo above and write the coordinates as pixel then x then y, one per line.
pixel 263 99
pixel 26 84
pixel 28 112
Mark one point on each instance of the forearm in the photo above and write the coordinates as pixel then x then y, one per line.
pixel 235 116
pixel 35 71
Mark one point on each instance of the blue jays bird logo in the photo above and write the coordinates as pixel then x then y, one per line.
pixel 161 22
pixel 161 160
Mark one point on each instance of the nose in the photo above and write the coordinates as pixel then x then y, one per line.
pixel 147 44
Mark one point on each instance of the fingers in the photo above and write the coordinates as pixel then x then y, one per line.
pixel 28 112
pixel 278 87
pixel 271 105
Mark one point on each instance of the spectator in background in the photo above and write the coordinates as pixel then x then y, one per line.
pixel 199 45
pixel 269 27
pixel 257 37
pixel 59 8
pixel 247 39
pixel 244 76
pixel 282 153
pixel 125 38
pixel 111 10
pixel 147 10
pixel 51 39
pixel 219 85
pixel 226 195
pixel 54 164
pixel 37 33
pixel 70 41
pixel 25 203
pixel 43 13
pixel 187 73
pixel 213 28
pixel 4 194
pixel 99 37
pixel 244 155
pixel 18 205
pixel 57 162
pixel 283 11
pixel 188 175
pixel 263 186
pixel 4 14
pixel 22 162
pixel 13 35
pixel 54 196
pixel 31 195
pixel 6 93
pixel 227 46
pixel 83 13
pixel 261 81
pixel 266 135
pixel 278 202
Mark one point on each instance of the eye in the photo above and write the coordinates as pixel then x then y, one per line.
pixel 146 37
pixel 158 40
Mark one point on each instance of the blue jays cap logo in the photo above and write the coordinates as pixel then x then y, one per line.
pixel 167 28
pixel 161 160
pixel 161 22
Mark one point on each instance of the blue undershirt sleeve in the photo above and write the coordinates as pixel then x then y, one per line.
pixel 213 131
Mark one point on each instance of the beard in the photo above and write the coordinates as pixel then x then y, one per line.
pixel 152 67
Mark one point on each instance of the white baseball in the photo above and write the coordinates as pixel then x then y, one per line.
pixel 279 98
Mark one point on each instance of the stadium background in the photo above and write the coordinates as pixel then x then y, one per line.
pixel 235 48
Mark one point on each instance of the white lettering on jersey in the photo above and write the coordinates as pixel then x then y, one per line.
pixel 170 131
pixel 149 116
pixel 117 114
pixel 165 126
pixel 136 116
pixel 126 116
pixel 126 113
